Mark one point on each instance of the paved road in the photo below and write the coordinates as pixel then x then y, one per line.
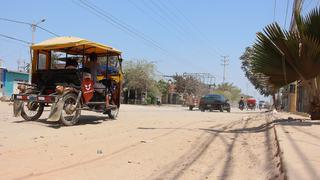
pixel 167 142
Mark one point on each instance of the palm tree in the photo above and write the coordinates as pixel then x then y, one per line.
pixel 284 57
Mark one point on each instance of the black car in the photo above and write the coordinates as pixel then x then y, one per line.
pixel 214 102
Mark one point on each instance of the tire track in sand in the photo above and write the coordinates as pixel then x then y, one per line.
pixel 104 157
pixel 176 169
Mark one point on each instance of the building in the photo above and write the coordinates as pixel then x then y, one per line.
pixel 9 81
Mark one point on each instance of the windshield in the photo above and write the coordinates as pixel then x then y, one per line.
pixel 108 64
pixel 215 97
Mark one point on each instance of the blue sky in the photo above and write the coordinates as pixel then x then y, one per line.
pixel 193 35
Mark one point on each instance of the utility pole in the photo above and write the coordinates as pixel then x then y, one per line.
pixel 33 30
pixel 225 63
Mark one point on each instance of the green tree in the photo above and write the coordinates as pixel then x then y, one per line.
pixel 190 85
pixel 163 87
pixel 258 80
pixel 139 76
pixel 230 91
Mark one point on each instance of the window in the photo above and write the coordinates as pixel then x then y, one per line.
pixel 61 60
pixel 113 63
pixel 42 61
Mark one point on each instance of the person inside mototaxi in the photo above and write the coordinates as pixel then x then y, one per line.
pixel 98 71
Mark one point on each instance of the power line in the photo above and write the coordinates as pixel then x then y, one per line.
pixel 177 18
pixel 150 15
pixel 286 17
pixel 15 42
pixel 165 11
pixel 119 24
pixel 225 63
pixel 30 24
pixel 205 78
pixel 46 30
pixel 14 21
pixel 86 4
pixel 274 10
pixel 179 22
pixel 195 28
pixel 156 9
pixel 16 39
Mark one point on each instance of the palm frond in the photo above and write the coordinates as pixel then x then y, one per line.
pixel 285 56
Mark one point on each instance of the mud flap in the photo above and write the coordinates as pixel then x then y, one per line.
pixel 56 110
pixel 17 108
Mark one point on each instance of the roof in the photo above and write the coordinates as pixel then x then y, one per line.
pixel 17 72
pixel 74 45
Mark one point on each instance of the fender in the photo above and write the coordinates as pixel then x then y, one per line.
pixel 17 108
pixel 56 110
pixel 18 104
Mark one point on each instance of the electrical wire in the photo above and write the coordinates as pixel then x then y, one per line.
pixel 286 17
pixel 166 14
pixel 119 24
pixel 16 39
pixel 154 19
pixel 46 30
pixel 30 24
pixel 195 28
pixel 86 4
pixel 173 17
pixel 274 10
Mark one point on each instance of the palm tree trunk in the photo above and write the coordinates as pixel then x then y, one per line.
pixel 274 101
pixel 128 96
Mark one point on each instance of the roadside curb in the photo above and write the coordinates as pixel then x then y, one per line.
pixel 282 167
pixel 300 114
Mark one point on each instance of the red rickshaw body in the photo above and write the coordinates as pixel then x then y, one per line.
pixel 251 103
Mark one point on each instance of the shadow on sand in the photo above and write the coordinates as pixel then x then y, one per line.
pixel 84 120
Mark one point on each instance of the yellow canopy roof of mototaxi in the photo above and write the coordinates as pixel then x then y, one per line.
pixel 74 45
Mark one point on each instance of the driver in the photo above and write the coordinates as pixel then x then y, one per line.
pixel 241 102
pixel 71 64
pixel 93 65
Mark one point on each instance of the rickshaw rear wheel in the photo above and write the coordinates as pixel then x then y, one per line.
pixel 68 117
pixel 31 111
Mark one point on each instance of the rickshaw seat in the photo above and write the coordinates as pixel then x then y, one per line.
pixel 50 78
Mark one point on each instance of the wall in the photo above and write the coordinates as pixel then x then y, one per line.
pixel 11 79
pixel 2 79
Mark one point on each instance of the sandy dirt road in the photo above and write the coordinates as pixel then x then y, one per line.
pixel 143 143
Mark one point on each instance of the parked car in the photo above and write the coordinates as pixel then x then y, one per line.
pixel 214 102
